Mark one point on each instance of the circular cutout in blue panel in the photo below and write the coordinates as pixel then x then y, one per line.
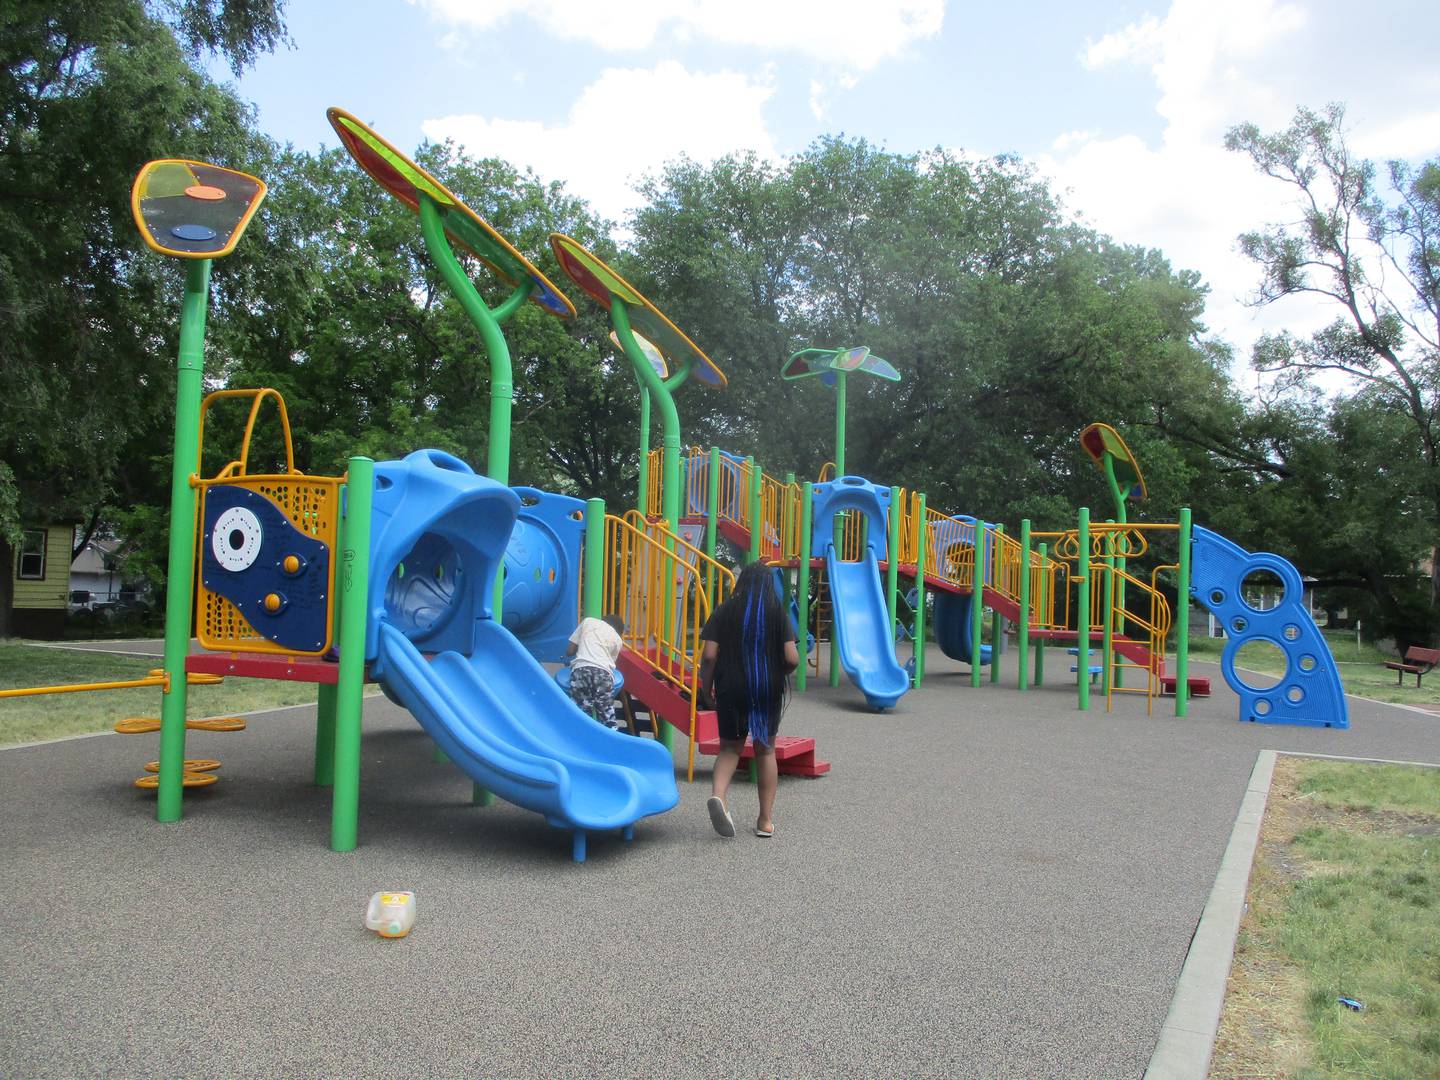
pixel 197 233
pixel 1262 707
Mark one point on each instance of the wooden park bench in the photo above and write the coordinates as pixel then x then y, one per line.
pixel 1417 662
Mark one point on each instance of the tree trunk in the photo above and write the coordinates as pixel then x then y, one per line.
pixel 1435 576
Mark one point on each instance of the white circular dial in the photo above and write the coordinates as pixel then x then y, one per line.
pixel 236 539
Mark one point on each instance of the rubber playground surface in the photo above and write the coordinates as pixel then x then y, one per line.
pixel 988 884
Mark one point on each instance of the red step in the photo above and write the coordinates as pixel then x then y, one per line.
pixel 796 754
pixel 1199 686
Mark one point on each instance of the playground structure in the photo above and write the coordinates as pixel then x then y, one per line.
pixel 450 588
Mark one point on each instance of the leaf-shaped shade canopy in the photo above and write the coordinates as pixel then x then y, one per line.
pixel 405 180
pixel 191 209
pixel 654 355
pixel 603 284
pixel 826 362
pixel 1101 439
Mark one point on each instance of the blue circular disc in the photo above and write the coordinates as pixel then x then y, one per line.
pixel 193 232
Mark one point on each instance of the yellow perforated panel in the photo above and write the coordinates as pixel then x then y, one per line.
pixel 312 503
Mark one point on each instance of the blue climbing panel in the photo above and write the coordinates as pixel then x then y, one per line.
pixel 1310 693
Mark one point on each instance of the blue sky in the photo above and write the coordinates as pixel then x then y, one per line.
pixel 1124 105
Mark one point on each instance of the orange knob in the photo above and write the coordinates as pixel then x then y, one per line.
pixel 273 603
pixel 291 564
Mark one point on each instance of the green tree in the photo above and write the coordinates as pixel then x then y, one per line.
pixel 88 93
pixel 1373 250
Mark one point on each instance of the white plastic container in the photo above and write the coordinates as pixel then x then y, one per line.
pixel 391 914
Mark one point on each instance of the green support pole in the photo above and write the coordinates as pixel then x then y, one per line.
pixel 180 577
pixel 977 605
pixel 1044 599
pixel 840 424
pixel 802 589
pixel 352 584
pixel 642 496
pixel 592 600
pixel 1182 620
pixel 892 559
pixel 1117 562
pixel 997 621
pixel 712 505
pixel 1022 631
pixel 669 416
pixel 920 592
pixel 1107 615
pixel 757 527
pixel 1082 618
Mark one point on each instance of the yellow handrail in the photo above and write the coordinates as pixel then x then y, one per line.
pixel 646 566
pixel 157 677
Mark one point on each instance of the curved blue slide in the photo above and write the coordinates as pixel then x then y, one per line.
pixel 862 629
pixel 440 533
pixel 953 627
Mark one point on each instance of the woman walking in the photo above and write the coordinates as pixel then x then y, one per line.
pixel 744 667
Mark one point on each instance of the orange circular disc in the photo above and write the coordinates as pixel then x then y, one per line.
pixel 205 192
pixel 138 725
pixel 217 723
pixel 151 781
pixel 203 764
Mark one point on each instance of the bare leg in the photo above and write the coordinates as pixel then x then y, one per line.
pixel 726 762
pixel 768 770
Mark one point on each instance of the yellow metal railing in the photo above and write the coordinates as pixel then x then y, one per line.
pixel 156 677
pixel 664 589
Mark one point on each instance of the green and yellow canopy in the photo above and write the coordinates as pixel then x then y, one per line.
pixel 601 283
pixel 191 209
pixel 1101 439
pixel 405 180
pixel 826 362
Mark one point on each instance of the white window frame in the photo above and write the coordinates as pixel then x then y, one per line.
pixel 25 552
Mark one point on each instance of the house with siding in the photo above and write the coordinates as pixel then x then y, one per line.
pixel 40 580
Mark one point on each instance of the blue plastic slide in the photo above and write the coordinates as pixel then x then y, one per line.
pixel 439 535
pixel 862 629
pixel 953 626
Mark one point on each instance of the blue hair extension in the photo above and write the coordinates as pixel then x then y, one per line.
pixel 758 670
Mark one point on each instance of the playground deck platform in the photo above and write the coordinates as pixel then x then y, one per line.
pixel 988 884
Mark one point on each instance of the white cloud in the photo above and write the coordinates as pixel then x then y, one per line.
pixel 702 115
pixel 1217 63
pixel 855 33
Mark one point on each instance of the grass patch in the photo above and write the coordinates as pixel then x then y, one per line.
pixel 1344 901
pixel 30 719
pixel 1361 665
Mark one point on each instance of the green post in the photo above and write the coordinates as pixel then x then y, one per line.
pixel 352 584
pixel 803 588
pixel 892 559
pixel 1182 619
pixel 997 621
pixel 712 505
pixel 325 709
pixel 757 527
pixel 1107 614
pixel 593 599
pixel 1082 619
pixel 1022 631
pixel 642 496
pixel 502 386
pixel 839 425
pixel 1045 600
pixel 977 605
pixel 669 416
pixel 920 592
pixel 180 577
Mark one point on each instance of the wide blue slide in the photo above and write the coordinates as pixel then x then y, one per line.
pixel 861 620
pixel 439 536
pixel 862 629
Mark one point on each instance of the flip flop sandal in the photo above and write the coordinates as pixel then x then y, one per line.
pixel 720 817
pixel 765 833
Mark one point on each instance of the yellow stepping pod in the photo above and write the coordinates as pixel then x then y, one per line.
pixel 151 781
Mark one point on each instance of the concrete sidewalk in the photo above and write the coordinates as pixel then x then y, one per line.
pixel 989 884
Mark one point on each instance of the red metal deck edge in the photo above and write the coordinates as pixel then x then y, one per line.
pixel 262 666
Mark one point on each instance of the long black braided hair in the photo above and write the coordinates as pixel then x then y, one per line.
pixel 750 631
